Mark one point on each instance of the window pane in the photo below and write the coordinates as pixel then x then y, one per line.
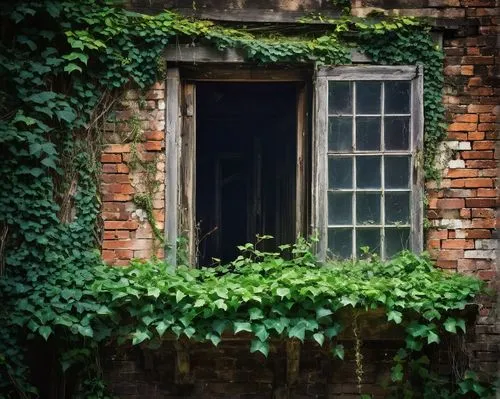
pixel 397 132
pixel 397 172
pixel 397 208
pixel 339 172
pixel 368 97
pixel 396 240
pixel 340 97
pixel 367 133
pixel 368 237
pixel 368 172
pixel 340 133
pixel 339 208
pixel 340 243
pixel 397 97
pixel 368 208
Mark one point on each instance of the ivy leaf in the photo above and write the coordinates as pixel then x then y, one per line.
pixel 161 327
pixel 219 326
pixel 179 295
pixel 45 332
pixel 333 331
pixel 261 332
pixel 297 331
pixel 66 114
pixel 255 314
pixel 42 97
pixel 282 292
pixel 397 373
pixel 450 325
pixel 72 67
pixel 49 163
pixel 319 338
pixel 242 326
pixel 199 303
pixel 154 292
pixel 432 337
pixel 139 336
pixel 86 331
pixel 189 332
pixel 259 346
pixel 214 338
pixel 323 312
pixel 338 351
pixel 395 316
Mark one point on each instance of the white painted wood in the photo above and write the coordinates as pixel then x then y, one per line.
pixel 172 140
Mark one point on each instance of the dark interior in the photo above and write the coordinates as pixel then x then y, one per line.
pixel 245 166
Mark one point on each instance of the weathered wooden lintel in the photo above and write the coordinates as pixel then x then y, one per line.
pixel 187 53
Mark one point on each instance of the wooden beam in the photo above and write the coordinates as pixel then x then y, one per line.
pixel 187 53
pixel 300 171
pixel 369 72
pixel 292 361
pixel 172 133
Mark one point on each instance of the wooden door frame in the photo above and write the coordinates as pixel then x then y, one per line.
pixel 180 151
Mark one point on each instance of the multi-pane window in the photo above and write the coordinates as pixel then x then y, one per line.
pixel 371 140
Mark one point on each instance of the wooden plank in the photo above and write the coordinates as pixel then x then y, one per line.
pixel 369 72
pixel 245 72
pixel 188 171
pixel 205 54
pixel 320 164
pixel 172 139
pixel 417 111
pixel 300 186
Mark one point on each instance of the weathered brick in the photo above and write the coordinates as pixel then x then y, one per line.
pixel 478 108
pixel 114 178
pixel 454 173
pixel 486 127
pixel 486 192
pixel 116 148
pixel 116 234
pixel 478 223
pixel 458 193
pixel 475 136
pixel 467 70
pixel 487 118
pixel 472 182
pixel 470 118
pixel 462 127
pixel 450 203
pixel 121 225
pixel 457 244
pixel 480 202
pixel 487 244
pixel 478 233
pixel 450 254
pixel 155 135
pixel 478 60
pixel 153 146
pixel 483 145
pixel 480 164
pixel 477 155
pixel 480 254
pixel 483 213
pixel 111 158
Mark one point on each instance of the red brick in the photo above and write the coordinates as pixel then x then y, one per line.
pixel 488 172
pixel 114 178
pixel 111 158
pixel 450 203
pixel 476 108
pixel 471 118
pixel 477 154
pixel 480 202
pixel 462 127
pixel 480 164
pixel 483 223
pixel 116 148
pixel 487 118
pixel 437 234
pixel 121 225
pixel 465 213
pixel 483 145
pixel 486 192
pixel 156 135
pixel 108 255
pixel 450 254
pixel 475 136
pixel 124 253
pixel 122 168
pixel 109 168
pixel 457 136
pixel 153 146
pixel 473 182
pixel 433 243
pixel 457 244
pixel 486 275
pixel 467 70
pixel 483 213
pixel 446 264
pixel 116 235
pixel 478 233
pixel 482 60
pixel 454 173
pixel 459 193
pixel 486 127
pixel 117 197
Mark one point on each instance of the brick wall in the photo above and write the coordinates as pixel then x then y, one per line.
pixel 126 231
pixel 461 207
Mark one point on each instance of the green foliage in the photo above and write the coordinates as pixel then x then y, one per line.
pixel 62 65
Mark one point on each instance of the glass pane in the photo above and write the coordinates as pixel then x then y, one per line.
pixel 397 132
pixel 339 97
pixel 339 172
pixel 368 208
pixel 397 172
pixel 367 133
pixel 368 97
pixel 340 133
pixel 366 237
pixel 397 97
pixel 397 208
pixel 339 208
pixel 396 240
pixel 340 243
pixel 368 172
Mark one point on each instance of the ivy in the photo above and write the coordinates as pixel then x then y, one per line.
pixel 63 65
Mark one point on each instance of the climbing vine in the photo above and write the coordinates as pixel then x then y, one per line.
pixel 63 65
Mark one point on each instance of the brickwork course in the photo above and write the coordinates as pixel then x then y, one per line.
pixel 461 207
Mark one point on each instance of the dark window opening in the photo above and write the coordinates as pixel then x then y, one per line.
pixel 245 166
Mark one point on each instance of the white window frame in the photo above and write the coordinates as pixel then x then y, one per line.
pixel 324 74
